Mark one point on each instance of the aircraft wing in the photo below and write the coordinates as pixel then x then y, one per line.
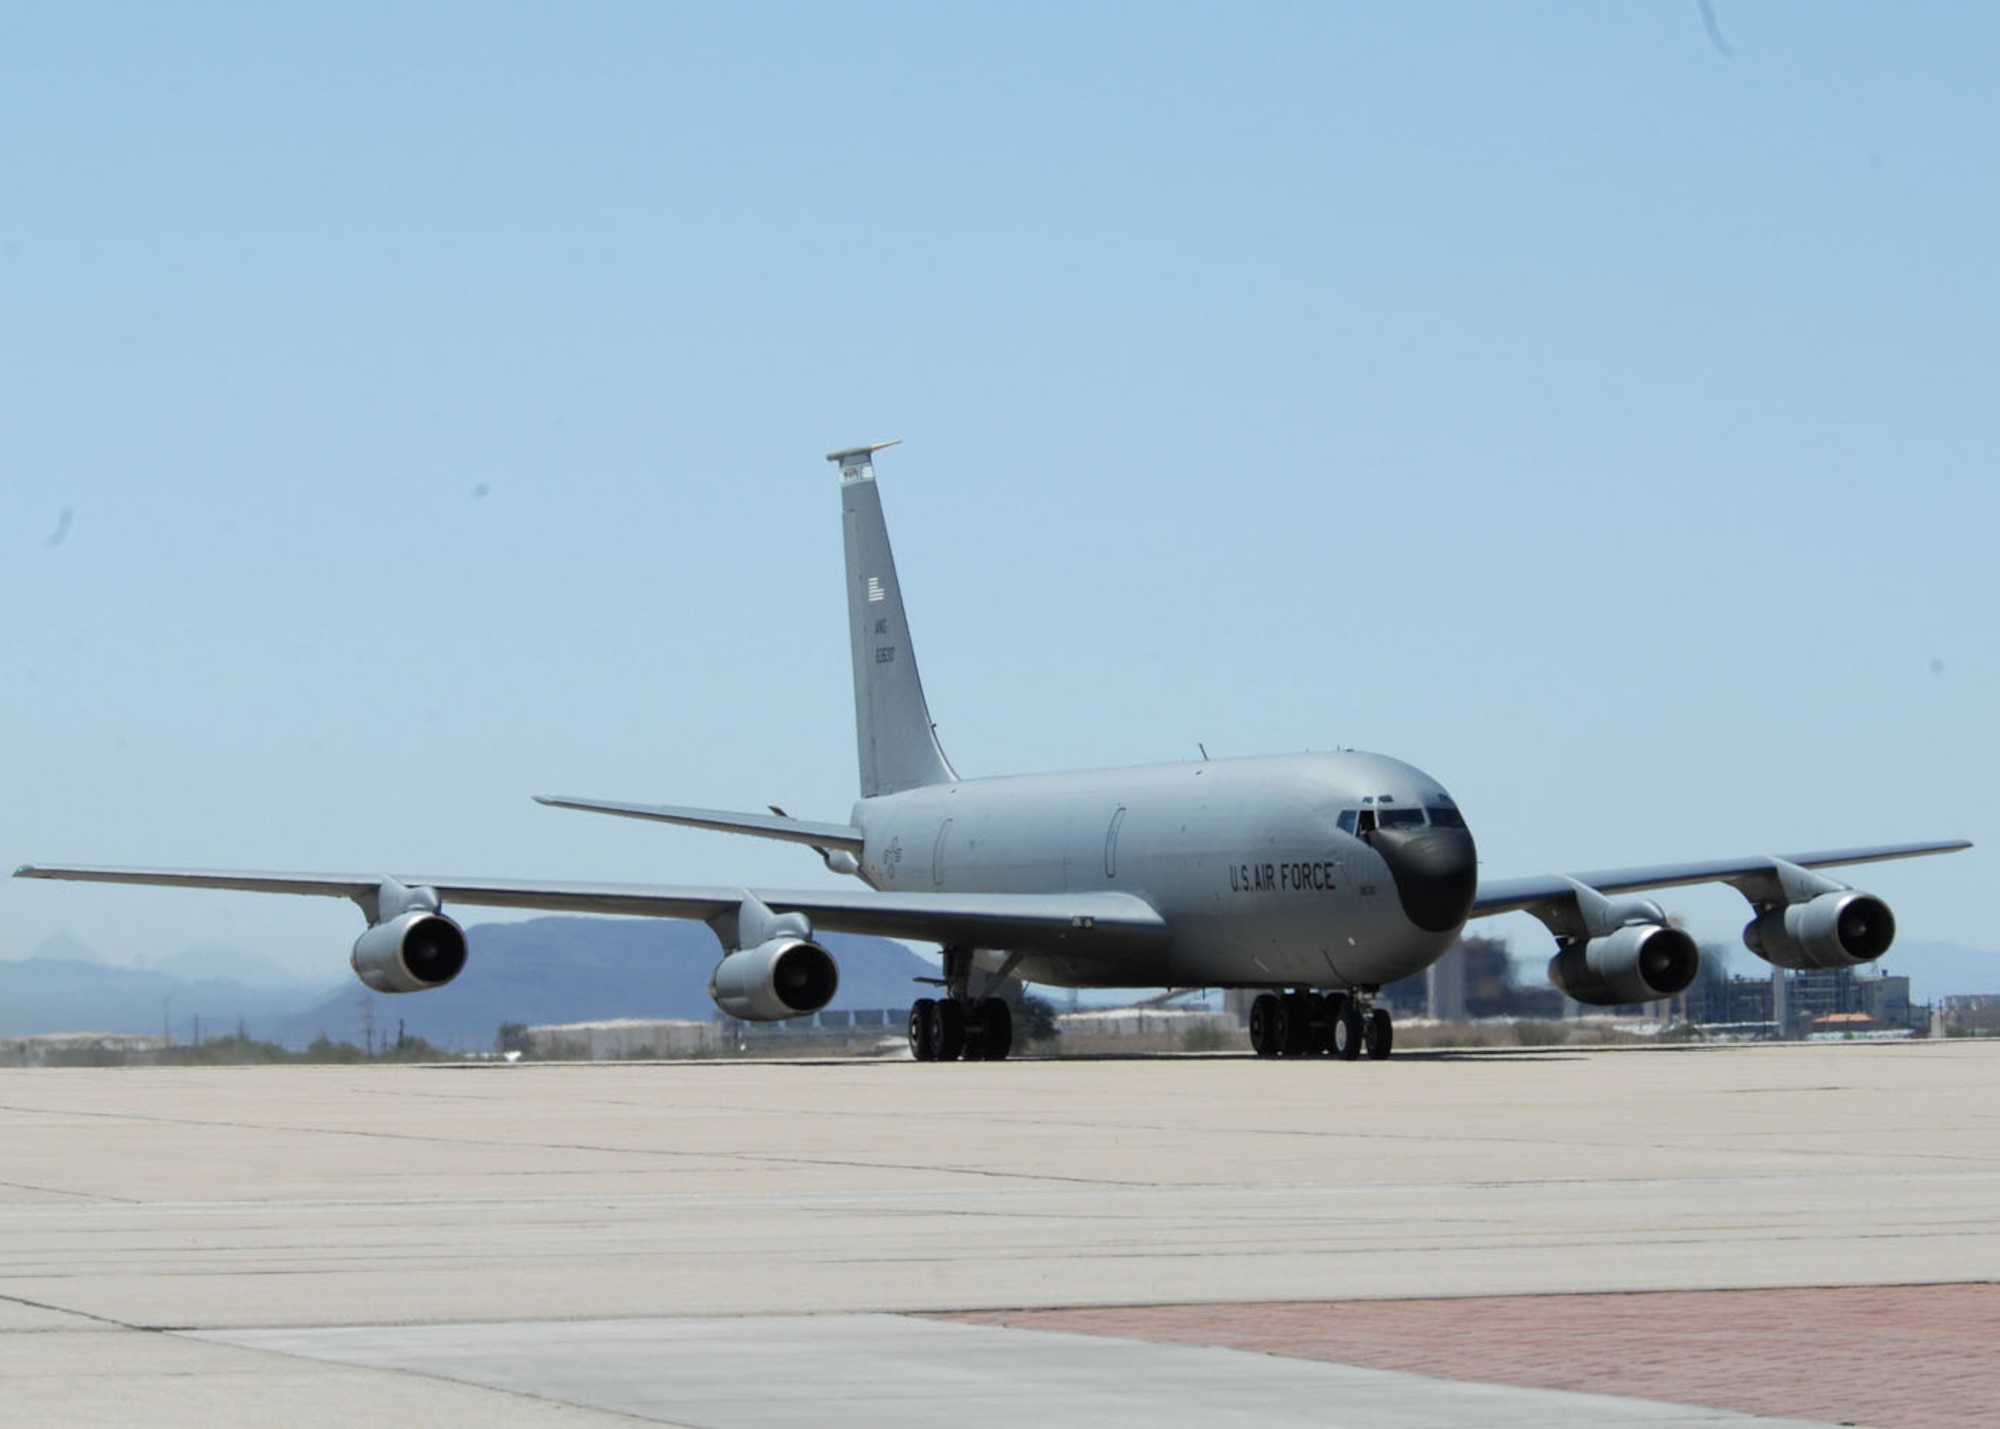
pixel 1080 924
pixel 1513 895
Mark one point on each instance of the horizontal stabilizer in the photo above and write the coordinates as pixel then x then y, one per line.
pixel 861 456
pixel 762 826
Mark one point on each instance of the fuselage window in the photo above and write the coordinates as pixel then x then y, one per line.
pixel 1347 821
pixel 1401 818
pixel 1446 818
pixel 1367 822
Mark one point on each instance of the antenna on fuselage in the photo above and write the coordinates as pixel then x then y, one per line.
pixel 1204 750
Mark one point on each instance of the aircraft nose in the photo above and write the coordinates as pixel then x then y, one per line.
pixel 1436 872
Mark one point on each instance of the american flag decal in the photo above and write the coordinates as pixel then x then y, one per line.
pixel 875 591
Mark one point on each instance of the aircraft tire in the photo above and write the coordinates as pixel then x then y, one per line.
pixel 923 1040
pixel 948 1031
pixel 1263 1014
pixel 1347 1033
pixel 997 1022
pixel 1381 1035
pixel 1285 1031
pixel 1297 1025
pixel 1323 1010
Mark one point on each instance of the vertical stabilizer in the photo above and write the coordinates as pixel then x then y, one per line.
pixel 892 724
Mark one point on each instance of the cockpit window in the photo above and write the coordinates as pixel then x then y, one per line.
pixel 1446 818
pixel 1347 821
pixel 1401 818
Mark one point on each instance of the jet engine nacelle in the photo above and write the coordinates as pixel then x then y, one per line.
pixel 1834 930
pixel 1637 963
pixel 412 953
pixel 786 977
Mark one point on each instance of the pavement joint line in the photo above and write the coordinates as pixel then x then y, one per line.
pixel 948 1314
pixel 661 1152
pixel 1656 1292
pixel 86 1196
pixel 109 1321
pixel 1897 1160
pixel 407 1372
pixel 1059 1187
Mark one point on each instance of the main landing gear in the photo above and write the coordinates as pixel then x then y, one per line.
pixel 1303 1023
pixel 958 1026
pixel 946 1030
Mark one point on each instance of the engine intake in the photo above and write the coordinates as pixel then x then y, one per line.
pixel 1834 930
pixel 785 977
pixel 411 953
pixel 1637 963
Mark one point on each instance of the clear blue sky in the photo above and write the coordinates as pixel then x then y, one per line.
pixel 405 409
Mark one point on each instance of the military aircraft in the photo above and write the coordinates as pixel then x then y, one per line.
pixel 1315 878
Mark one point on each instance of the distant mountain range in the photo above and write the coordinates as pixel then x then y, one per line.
pixel 58 994
pixel 545 970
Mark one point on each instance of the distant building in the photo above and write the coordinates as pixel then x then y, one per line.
pixel 1444 986
pixel 1886 998
pixel 1144 1022
pixel 77 1048
pixel 1969 1013
pixel 1792 1004
pixel 1730 1001
pixel 1475 978
pixel 1492 991
pixel 623 1038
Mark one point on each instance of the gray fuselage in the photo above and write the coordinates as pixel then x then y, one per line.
pixel 1247 860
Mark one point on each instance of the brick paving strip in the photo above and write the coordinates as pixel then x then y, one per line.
pixel 1894 1357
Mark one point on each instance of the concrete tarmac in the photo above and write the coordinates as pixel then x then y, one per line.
pixel 574 1244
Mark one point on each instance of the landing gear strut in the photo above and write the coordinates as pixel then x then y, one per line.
pixel 1303 1023
pixel 959 1026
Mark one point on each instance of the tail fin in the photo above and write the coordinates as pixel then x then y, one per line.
pixel 892 724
